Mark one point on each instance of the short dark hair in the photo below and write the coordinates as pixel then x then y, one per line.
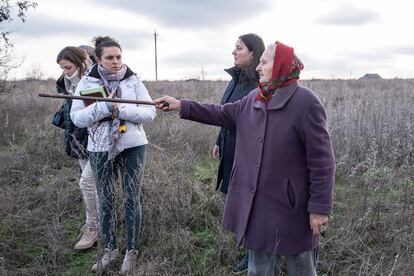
pixel 255 44
pixel 101 42
pixel 75 55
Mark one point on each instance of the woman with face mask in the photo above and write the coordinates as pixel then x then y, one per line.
pixel 117 146
pixel 75 62
pixel 281 186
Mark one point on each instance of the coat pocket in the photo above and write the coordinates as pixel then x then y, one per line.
pixel 290 192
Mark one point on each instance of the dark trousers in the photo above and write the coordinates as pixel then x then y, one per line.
pixel 129 164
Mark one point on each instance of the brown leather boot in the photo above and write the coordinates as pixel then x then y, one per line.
pixel 88 239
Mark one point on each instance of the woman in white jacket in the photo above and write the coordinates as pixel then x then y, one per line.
pixel 112 151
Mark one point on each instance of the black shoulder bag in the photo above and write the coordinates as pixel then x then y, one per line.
pixel 58 119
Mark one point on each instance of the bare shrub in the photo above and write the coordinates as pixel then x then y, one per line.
pixel 10 11
pixel 371 229
pixel 371 123
pixel 35 72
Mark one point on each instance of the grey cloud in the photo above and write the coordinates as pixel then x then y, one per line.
pixel 403 50
pixel 315 64
pixel 348 16
pixel 375 55
pixel 196 13
pixel 332 68
pixel 348 63
pixel 39 27
pixel 196 57
pixel 381 54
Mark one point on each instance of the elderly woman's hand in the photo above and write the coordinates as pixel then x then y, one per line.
pixel 216 151
pixel 168 103
pixel 317 223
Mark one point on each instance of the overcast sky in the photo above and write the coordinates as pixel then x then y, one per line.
pixel 333 38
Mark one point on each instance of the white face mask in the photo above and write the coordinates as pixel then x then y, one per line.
pixel 72 81
pixel 73 76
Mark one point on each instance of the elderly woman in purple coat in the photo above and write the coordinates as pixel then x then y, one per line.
pixel 281 186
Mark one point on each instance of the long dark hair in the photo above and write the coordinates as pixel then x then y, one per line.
pixel 75 55
pixel 102 42
pixel 255 44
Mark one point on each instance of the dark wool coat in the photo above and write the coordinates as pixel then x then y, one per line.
pixel 283 169
pixel 76 139
pixel 238 87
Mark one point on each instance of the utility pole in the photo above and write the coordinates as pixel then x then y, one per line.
pixel 203 73
pixel 155 44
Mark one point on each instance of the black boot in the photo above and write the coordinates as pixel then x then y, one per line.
pixel 242 265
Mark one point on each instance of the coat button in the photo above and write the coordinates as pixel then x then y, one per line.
pixel 257 165
pixel 260 140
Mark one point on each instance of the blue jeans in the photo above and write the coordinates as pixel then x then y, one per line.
pixel 263 264
pixel 130 165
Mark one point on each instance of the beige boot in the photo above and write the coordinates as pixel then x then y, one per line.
pixel 129 263
pixel 102 264
pixel 88 239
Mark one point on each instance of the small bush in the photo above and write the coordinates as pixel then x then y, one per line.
pixel 370 232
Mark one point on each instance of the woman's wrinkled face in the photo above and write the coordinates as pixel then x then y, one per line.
pixel 265 67
pixel 68 67
pixel 242 55
pixel 111 59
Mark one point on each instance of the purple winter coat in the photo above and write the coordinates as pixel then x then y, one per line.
pixel 283 168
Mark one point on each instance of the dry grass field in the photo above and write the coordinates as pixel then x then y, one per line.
pixel 371 229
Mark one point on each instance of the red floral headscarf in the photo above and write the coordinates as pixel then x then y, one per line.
pixel 286 69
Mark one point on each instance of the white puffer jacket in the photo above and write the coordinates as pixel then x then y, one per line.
pixel 134 115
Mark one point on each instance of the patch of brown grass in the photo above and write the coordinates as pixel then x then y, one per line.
pixel 371 231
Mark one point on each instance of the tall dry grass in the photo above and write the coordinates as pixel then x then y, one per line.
pixel 371 229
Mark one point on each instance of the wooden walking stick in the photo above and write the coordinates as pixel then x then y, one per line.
pixel 97 99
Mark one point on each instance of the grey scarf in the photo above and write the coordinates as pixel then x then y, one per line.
pixel 112 80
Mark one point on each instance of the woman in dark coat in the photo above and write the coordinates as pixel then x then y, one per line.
pixel 281 186
pixel 74 62
pixel 244 78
